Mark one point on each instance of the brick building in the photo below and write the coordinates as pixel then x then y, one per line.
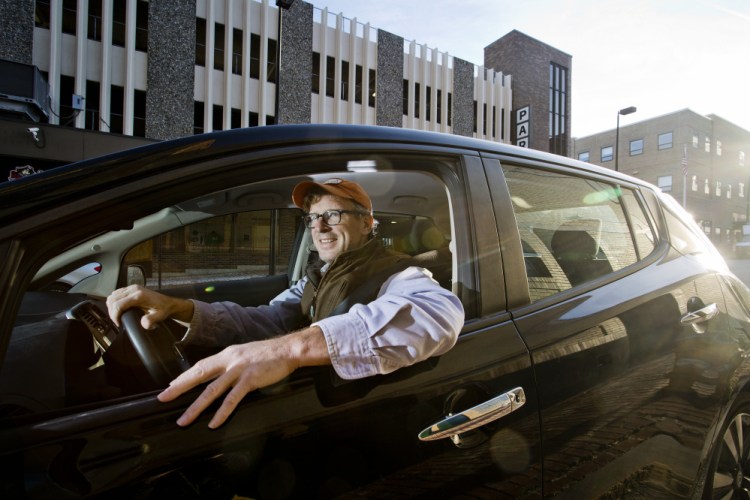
pixel 542 75
pixel 700 160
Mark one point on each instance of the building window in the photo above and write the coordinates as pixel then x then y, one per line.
pixel 373 92
pixel 439 98
pixel 67 113
pixel 69 17
pixel 200 41
pixel 558 113
pixel 694 185
pixel 450 109
pixel 742 158
pixel 717 193
pixel 718 148
pixel 607 153
pixel 358 84
pixel 236 51
pixel 729 191
pixel 741 189
pixel 665 141
pixel 695 141
pixel 475 117
pixel 583 156
pixel 118 23
pixel 95 20
pixel 235 118
pixel 92 104
pixel 217 117
pixel 708 144
pixel 254 56
pixel 428 105
pixel 405 100
pixel 252 119
pixel 344 80
pixel 198 114
pixel 272 58
pixel 330 75
pixel 141 26
pixel 219 46
pixel 416 99
pixel 494 120
pixel 117 100
pixel 706 188
pixel 119 16
pixel 139 113
pixel 41 14
pixel 665 183
pixel 484 118
pixel 315 73
pixel 636 147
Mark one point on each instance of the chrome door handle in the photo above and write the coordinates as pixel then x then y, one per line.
pixel 476 416
pixel 701 315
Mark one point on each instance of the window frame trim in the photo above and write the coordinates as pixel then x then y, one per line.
pixel 526 306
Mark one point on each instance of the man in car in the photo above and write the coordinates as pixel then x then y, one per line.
pixel 407 320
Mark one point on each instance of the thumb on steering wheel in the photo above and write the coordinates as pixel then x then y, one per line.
pixel 150 319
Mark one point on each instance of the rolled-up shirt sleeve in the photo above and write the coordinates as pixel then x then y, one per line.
pixel 412 319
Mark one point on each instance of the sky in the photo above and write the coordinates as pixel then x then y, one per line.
pixel 660 56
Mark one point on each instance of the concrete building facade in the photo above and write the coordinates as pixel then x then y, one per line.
pixel 135 71
pixel 700 160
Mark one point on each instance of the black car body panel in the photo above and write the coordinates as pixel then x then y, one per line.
pixel 623 390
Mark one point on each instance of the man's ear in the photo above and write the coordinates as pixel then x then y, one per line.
pixel 367 223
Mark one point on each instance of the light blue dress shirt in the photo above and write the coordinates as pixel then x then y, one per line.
pixel 411 319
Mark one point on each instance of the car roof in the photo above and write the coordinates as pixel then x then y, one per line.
pixel 31 194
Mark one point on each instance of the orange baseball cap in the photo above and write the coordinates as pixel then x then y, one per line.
pixel 336 187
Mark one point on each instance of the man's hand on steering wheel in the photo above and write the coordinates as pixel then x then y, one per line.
pixel 156 307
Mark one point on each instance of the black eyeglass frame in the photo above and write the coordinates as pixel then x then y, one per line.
pixel 309 219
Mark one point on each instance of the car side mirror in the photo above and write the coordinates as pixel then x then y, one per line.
pixel 136 275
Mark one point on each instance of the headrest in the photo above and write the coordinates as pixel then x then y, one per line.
pixel 573 245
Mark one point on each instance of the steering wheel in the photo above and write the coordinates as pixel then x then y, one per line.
pixel 155 348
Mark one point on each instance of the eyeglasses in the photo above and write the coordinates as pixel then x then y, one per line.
pixel 330 217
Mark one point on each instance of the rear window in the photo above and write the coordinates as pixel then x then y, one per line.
pixel 574 229
pixel 684 234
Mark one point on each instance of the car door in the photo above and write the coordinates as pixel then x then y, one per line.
pixel 475 407
pixel 488 369
pixel 629 389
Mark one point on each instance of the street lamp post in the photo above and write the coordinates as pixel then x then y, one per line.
pixel 624 111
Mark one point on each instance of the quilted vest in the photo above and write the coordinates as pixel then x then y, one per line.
pixel 323 292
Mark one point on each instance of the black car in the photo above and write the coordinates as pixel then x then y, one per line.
pixel 604 351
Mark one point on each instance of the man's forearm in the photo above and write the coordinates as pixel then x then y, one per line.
pixel 308 347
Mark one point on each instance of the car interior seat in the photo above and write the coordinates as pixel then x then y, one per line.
pixel 426 243
pixel 576 250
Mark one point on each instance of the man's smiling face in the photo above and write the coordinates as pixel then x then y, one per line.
pixel 351 233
